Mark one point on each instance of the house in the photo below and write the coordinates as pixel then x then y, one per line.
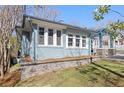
pixel 44 39
pixel 103 43
pixel 102 39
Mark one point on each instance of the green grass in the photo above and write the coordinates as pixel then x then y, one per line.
pixel 86 76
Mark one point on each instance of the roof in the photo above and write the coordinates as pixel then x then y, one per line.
pixel 68 25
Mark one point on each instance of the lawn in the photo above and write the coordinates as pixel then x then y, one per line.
pixel 99 74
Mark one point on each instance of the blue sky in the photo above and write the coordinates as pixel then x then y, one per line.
pixel 83 15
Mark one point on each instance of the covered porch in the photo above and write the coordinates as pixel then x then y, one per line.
pixel 104 44
pixel 25 36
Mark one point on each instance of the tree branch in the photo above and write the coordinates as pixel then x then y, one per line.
pixel 117 13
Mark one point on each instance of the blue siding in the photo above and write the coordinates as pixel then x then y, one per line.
pixel 45 52
pixel 49 52
pixel 59 52
pixel 25 44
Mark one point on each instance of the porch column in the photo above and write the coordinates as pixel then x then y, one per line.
pixel 46 36
pixel 34 42
pixel 100 40
pixel 54 37
pixel 111 42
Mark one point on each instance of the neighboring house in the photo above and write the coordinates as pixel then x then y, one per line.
pixel 103 41
pixel 119 45
pixel 103 44
pixel 43 39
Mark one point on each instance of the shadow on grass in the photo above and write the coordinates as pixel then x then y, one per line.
pixel 118 74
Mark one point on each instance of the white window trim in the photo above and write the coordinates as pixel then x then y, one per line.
pixel 67 41
pixel 38 36
pixel 61 38
pixel 79 41
pixel 74 41
pixel 86 41
pixel 97 40
pixel 54 38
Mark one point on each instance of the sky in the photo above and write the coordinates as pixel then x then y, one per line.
pixel 82 15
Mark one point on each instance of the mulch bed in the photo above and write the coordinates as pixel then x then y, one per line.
pixel 11 79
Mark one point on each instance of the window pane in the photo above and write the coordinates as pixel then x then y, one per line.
pixel 105 42
pixel 77 36
pixel 58 37
pixel 50 37
pixel 70 41
pixel 83 43
pixel 70 35
pixel 77 42
pixel 41 36
pixel 84 37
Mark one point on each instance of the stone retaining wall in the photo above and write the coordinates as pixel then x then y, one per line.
pixel 29 70
pixel 105 52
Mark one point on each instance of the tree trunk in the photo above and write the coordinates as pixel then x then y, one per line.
pixel 8 60
pixel 10 17
pixel 2 67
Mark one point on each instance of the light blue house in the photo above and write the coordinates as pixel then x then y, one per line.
pixel 44 39
pixel 103 43
pixel 103 39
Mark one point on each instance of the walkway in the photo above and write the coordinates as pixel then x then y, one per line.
pixel 118 57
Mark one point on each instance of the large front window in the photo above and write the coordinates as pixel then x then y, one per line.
pixel 50 36
pixel 77 41
pixel 41 36
pixel 83 41
pixel 58 37
pixel 70 40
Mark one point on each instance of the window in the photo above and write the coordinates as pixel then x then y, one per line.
pixel 96 41
pixel 50 36
pixel 77 41
pixel 83 41
pixel 70 40
pixel 105 42
pixel 58 37
pixel 121 42
pixel 41 36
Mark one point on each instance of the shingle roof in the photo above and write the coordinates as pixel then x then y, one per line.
pixel 46 20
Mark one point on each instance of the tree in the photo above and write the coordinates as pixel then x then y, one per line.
pixel 10 17
pixel 44 11
pixel 113 28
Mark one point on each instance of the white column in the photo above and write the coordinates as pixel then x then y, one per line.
pixel 74 41
pixel 80 41
pixel 61 38
pixel 46 37
pixel 54 37
pixel 66 40
pixel 87 43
